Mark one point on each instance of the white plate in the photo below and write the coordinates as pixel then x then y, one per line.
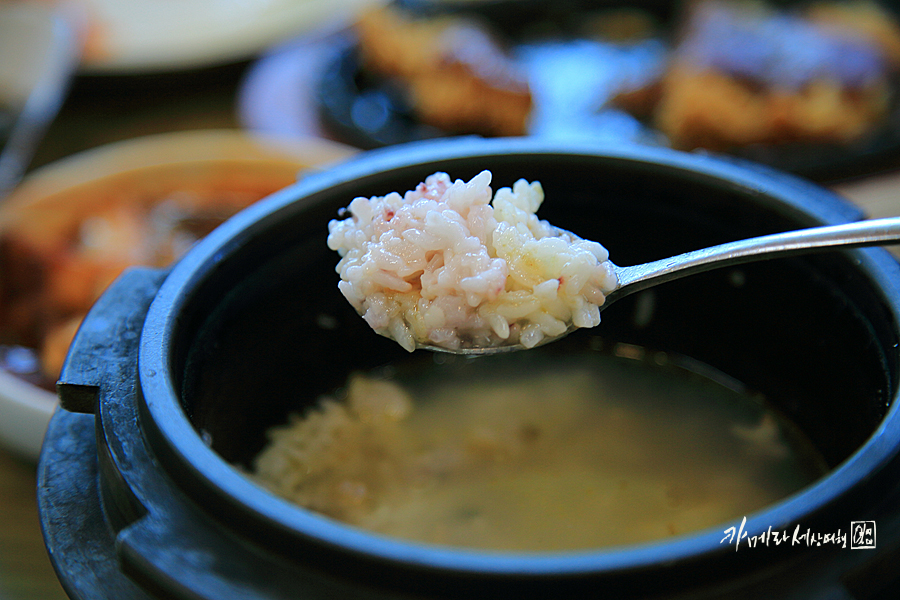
pixel 26 409
pixel 142 36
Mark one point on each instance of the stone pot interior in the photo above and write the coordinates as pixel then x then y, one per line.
pixel 268 332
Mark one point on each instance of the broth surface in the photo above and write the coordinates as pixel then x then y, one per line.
pixel 541 453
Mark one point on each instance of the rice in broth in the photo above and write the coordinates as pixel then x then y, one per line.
pixel 450 266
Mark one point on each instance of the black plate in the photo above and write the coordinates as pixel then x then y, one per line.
pixel 364 110
pixel 568 75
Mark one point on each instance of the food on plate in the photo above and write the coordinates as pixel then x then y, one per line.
pixel 451 265
pixel 57 262
pixel 457 75
pixel 557 453
pixel 745 73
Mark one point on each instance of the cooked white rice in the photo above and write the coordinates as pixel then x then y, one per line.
pixel 444 265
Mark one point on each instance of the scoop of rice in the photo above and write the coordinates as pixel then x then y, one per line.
pixel 445 265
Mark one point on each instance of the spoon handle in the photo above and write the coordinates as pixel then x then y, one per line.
pixel 874 232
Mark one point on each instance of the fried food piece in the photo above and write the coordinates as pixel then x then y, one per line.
pixel 48 283
pixel 746 74
pixel 458 77
pixel 709 109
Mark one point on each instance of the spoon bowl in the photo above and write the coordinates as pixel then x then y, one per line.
pixel 635 278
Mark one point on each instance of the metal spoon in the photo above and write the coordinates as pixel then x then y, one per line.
pixel 874 232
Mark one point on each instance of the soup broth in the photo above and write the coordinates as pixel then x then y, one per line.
pixel 537 452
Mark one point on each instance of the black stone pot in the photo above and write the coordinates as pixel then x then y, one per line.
pixel 177 376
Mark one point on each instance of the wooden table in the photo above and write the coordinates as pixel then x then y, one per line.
pixel 25 570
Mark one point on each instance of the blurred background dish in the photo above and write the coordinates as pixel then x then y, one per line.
pixel 335 95
pixel 134 36
pixel 74 225
pixel 596 70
